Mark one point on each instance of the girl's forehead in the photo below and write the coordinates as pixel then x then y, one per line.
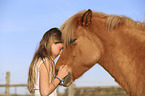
pixel 56 41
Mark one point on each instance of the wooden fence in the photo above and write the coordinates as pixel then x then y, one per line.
pixel 8 85
pixel 72 90
pixel 94 91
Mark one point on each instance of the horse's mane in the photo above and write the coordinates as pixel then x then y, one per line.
pixel 112 22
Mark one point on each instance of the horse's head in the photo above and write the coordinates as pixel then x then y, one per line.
pixel 81 51
pixel 96 37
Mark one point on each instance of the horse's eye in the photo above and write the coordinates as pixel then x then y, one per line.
pixel 72 41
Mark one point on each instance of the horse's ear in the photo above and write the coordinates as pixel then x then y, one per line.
pixel 86 18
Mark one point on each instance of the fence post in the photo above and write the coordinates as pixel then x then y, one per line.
pixel 71 90
pixel 7 84
pixel 15 90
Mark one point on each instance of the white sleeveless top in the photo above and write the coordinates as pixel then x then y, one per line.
pixel 37 84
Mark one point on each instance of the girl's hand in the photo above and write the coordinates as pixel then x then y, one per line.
pixel 63 72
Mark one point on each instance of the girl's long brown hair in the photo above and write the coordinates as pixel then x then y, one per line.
pixel 44 50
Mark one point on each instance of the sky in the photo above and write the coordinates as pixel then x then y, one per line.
pixel 23 23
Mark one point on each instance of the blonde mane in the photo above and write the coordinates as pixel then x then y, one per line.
pixel 112 22
pixel 68 28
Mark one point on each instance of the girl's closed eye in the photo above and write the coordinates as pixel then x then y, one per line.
pixel 61 49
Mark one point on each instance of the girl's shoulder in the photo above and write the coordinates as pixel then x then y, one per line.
pixel 41 61
pixel 45 63
pixel 45 59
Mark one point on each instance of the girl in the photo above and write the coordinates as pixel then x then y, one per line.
pixel 41 80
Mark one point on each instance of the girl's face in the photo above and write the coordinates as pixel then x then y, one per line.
pixel 56 49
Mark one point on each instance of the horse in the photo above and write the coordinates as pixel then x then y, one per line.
pixel 115 42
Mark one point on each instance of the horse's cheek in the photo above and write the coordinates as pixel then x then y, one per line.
pixel 90 53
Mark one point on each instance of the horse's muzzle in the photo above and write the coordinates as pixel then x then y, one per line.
pixel 66 80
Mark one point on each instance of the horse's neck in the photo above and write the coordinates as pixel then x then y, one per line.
pixel 124 60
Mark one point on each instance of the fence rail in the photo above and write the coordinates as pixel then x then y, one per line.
pixel 94 91
pixel 72 90
pixel 13 85
pixel 8 85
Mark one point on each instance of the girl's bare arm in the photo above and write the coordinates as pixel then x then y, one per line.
pixel 45 87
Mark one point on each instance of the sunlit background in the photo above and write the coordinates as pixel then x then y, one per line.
pixel 23 23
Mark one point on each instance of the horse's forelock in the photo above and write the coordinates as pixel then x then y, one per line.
pixel 68 28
